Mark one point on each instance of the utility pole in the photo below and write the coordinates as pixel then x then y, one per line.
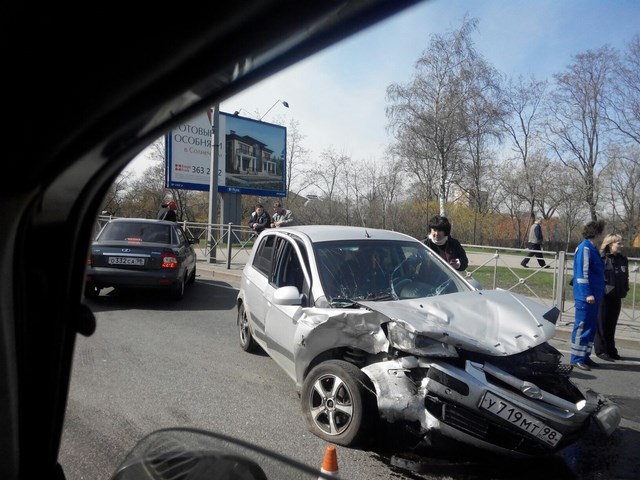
pixel 213 183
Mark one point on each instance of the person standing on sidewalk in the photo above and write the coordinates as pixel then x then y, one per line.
pixel 588 290
pixel 616 279
pixel 534 244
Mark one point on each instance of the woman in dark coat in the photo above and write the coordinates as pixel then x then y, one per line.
pixel 441 242
pixel 616 279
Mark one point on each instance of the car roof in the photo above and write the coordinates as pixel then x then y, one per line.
pixel 328 233
pixel 140 220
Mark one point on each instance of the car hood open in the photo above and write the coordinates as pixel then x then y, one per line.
pixel 495 322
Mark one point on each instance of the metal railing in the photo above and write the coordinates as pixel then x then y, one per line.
pixel 504 265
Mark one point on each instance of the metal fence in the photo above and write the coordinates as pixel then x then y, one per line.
pixel 507 273
pixel 499 267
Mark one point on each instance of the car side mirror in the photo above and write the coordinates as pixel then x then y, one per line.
pixel 193 241
pixel 288 295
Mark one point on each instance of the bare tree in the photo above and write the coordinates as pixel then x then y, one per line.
pixel 625 105
pixel 429 112
pixel 544 180
pixel 512 197
pixel 522 120
pixel 483 114
pixel 297 157
pixel 115 198
pixel 328 178
pixel 390 184
pixel 623 175
pixel 577 107
pixel 411 156
pixel 571 210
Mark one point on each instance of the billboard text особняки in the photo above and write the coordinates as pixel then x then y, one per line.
pixel 251 156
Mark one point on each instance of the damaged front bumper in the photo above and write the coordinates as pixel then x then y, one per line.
pixel 484 406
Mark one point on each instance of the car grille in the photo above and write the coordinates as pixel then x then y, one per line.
pixel 471 423
pixel 540 365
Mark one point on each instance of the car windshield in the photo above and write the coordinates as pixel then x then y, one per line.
pixel 135 232
pixel 366 270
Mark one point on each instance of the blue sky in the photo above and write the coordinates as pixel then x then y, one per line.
pixel 338 95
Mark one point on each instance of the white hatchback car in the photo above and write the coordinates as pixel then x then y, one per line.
pixel 372 324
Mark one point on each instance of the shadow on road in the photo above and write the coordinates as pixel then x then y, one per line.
pixel 593 457
pixel 202 295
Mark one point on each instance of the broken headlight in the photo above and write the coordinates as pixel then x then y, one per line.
pixel 416 343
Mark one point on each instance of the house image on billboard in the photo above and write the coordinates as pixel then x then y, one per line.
pixel 247 155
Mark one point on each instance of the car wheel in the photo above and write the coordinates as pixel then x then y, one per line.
pixel 338 403
pixel 247 343
pixel 192 278
pixel 91 291
pixel 178 293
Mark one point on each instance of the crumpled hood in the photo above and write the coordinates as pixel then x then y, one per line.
pixel 495 322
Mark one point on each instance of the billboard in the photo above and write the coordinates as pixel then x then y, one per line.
pixel 252 156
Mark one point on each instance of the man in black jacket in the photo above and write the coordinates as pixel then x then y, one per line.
pixel 441 242
pixel 259 219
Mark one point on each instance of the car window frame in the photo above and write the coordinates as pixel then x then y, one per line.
pixel 263 259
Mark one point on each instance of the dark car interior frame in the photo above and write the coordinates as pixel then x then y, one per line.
pixel 86 91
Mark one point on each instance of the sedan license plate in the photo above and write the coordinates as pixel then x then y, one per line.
pixel 520 419
pixel 126 261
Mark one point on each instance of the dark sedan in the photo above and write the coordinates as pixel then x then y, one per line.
pixel 141 253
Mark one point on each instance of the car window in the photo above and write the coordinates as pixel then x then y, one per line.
pixel 135 232
pixel 288 267
pixel 182 239
pixel 264 254
pixel 361 270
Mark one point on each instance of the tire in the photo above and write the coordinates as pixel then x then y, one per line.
pixel 247 343
pixel 339 403
pixel 91 291
pixel 178 293
pixel 192 277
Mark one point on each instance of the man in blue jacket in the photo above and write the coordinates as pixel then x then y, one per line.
pixel 588 290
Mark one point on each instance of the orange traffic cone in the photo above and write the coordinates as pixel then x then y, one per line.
pixel 329 463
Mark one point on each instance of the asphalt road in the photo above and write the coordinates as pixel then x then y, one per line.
pixel 156 363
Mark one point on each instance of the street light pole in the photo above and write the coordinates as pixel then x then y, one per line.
pixel 213 182
pixel 270 108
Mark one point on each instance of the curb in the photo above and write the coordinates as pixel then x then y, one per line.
pixel 218 272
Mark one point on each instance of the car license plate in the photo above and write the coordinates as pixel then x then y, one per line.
pixel 126 261
pixel 520 419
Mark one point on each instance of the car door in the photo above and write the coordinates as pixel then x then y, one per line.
pixel 187 254
pixel 256 285
pixel 281 322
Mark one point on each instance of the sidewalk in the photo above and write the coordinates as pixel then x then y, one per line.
pixel 627 333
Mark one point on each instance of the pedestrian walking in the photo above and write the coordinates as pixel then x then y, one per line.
pixel 588 290
pixel 616 281
pixel 534 244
